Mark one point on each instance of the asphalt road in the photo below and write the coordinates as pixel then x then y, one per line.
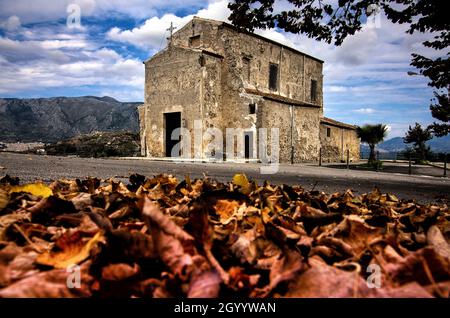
pixel 46 168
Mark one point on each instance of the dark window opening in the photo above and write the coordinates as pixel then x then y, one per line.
pixel 328 132
pixel 252 109
pixel 248 145
pixel 172 122
pixel 313 90
pixel 202 60
pixel 246 68
pixel 273 77
pixel 194 41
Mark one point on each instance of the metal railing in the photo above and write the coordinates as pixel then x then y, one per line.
pixel 434 159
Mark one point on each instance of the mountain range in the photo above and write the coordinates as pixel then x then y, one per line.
pixel 54 119
pixel 396 144
pixel 58 118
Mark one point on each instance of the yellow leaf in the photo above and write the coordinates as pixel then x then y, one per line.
pixel 240 180
pixel 37 189
pixel 72 255
pixel 3 199
pixel 392 198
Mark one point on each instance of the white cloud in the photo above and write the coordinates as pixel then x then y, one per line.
pixel 217 9
pixel 152 34
pixel 367 110
pixel 95 71
pixel 41 61
pixel 11 24
pixel 337 89
pixel 31 11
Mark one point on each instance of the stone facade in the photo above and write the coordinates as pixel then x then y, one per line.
pixel 336 138
pixel 223 78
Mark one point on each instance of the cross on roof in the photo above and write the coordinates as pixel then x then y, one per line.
pixel 171 29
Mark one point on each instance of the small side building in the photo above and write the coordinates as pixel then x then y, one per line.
pixel 336 138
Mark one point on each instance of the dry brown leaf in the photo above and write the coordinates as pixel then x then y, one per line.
pixel 205 285
pixel 288 265
pixel 168 246
pixel 322 280
pixel 438 242
pixel 49 284
pixel 9 219
pixel 156 217
pixel 351 236
pixel 120 271
pixel 225 209
pixel 417 267
pixel 20 267
pixel 82 201
pixel 72 255
pixel 172 253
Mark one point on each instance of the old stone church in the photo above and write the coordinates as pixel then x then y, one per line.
pixel 225 78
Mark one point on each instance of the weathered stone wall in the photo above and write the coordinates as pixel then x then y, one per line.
pixel 180 80
pixel 298 127
pixel 334 148
pixel 172 85
pixel 239 48
pixel 306 127
pixel 142 128
pixel 211 101
pixel 199 33
pixel 296 70
pixel 276 115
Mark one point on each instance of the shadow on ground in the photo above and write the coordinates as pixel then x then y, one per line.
pixel 390 167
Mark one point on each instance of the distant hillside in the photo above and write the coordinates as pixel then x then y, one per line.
pixel 53 119
pixel 396 144
pixel 100 144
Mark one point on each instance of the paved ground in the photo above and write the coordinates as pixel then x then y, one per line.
pixel 33 167
pixel 397 167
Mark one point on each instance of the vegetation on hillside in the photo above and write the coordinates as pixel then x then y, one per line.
pixel 99 144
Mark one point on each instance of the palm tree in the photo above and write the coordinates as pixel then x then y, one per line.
pixel 372 135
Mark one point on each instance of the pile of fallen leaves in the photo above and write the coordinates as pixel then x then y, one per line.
pixel 160 237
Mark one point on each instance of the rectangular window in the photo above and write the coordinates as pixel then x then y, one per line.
pixel 194 41
pixel 252 109
pixel 273 77
pixel 248 139
pixel 246 68
pixel 328 132
pixel 313 90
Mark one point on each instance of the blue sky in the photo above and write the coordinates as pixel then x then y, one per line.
pixel 365 79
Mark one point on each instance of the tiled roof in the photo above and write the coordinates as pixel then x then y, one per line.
pixel 336 123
